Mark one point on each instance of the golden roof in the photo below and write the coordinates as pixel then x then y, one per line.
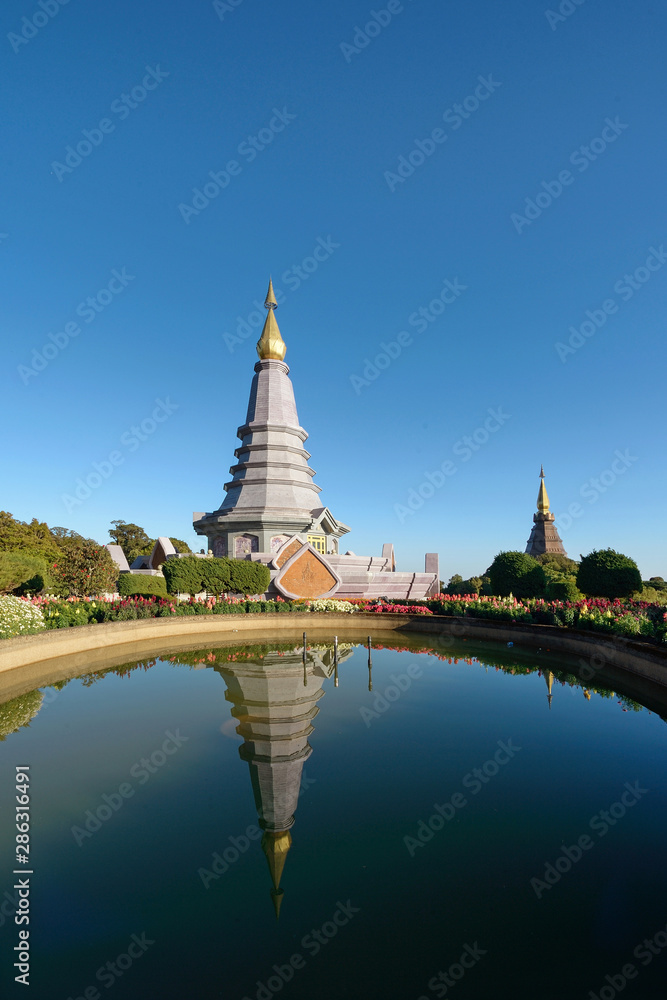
pixel 542 496
pixel 271 345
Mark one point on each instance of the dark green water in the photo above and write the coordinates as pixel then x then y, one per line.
pixel 373 901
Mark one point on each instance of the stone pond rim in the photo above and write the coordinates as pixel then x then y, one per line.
pixel 40 659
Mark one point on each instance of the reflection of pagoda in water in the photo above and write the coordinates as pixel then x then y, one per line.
pixel 274 699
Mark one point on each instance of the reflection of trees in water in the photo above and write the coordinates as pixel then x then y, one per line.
pixel 19 712
pixel 28 705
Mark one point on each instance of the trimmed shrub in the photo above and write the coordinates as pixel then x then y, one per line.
pixel 134 584
pixel 20 571
pixel 215 575
pixel 518 574
pixel 192 575
pixel 608 573
pixel 564 589
pixel 248 577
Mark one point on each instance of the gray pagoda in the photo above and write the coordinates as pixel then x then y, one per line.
pixel 271 496
pixel 544 537
pixel 272 512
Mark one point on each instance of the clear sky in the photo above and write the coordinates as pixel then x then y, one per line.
pixel 346 170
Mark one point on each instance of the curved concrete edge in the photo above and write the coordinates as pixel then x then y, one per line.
pixel 27 662
pixel 596 651
pixel 55 643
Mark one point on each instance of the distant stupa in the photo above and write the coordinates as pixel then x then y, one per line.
pixel 544 537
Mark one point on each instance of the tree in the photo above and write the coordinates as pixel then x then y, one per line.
pixel 132 539
pixel 85 569
pixel 457 585
pixel 608 573
pixel 563 588
pixel 19 570
pixel 516 573
pixel 558 563
pixel 34 539
pixel 179 545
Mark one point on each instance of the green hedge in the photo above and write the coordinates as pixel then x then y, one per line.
pixel 608 573
pixel 215 575
pixel 131 584
pixel 22 573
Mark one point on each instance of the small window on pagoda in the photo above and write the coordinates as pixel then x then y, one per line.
pixel 319 543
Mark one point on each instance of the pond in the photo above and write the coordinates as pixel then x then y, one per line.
pixel 468 821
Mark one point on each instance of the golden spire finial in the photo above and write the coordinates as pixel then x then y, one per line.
pixel 549 678
pixel 542 496
pixel 271 345
pixel 270 302
pixel 275 847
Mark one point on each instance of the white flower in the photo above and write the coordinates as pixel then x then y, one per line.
pixel 330 605
pixel 17 616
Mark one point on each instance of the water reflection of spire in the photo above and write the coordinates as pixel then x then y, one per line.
pixel 274 711
pixel 549 678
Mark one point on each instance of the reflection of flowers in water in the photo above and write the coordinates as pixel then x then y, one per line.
pixel 325 651
pixel 19 712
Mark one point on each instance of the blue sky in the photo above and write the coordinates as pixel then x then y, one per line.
pixel 534 200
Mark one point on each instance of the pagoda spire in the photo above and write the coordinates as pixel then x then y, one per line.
pixel 544 537
pixel 275 846
pixel 542 496
pixel 271 346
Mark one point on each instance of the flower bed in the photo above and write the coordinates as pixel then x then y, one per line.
pixel 19 617
pixel 628 618
pixel 631 619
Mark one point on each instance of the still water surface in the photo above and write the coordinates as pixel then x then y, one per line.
pixel 472 827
